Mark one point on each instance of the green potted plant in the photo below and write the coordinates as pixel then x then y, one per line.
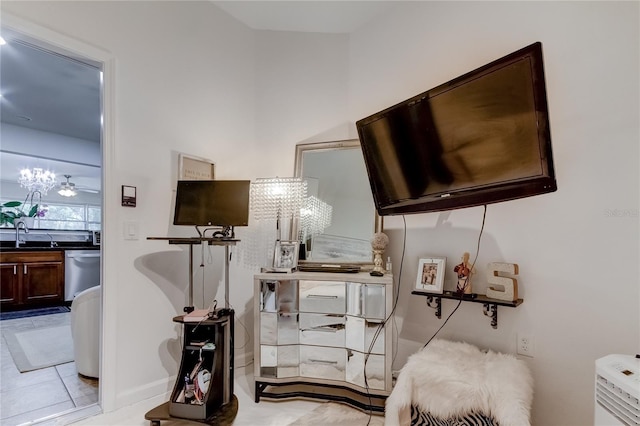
pixel 12 212
pixel 8 216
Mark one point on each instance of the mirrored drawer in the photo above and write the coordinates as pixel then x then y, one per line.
pixel 279 296
pixel 268 296
pixel 278 328
pixel 366 300
pixel 287 300
pixel 322 329
pixel 374 368
pixel 287 329
pixel 322 363
pixel 279 361
pixel 374 301
pixel 268 328
pixel 322 296
pixel 360 333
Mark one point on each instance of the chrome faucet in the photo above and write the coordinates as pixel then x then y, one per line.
pixel 53 243
pixel 26 231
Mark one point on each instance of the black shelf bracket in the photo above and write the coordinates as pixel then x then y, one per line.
pixel 489 305
pixel 491 310
pixel 437 306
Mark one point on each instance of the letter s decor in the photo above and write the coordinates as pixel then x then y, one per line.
pixel 510 292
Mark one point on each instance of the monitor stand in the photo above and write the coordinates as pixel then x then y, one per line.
pixel 212 241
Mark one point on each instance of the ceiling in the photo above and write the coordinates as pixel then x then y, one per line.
pixel 305 16
pixel 47 91
pixel 55 93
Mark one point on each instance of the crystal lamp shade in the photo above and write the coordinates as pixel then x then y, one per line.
pixel 277 198
pixel 315 216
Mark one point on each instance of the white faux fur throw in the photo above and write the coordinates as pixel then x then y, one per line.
pixel 448 379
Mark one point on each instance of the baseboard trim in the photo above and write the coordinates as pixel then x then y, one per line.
pixel 150 390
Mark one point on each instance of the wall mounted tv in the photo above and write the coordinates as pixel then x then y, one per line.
pixel 222 203
pixel 480 138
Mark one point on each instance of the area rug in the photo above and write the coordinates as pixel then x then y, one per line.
pixel 40 347
pixel 33 312
pixel 335 414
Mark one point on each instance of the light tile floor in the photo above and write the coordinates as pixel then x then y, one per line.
pixel 265 413
pixel 250 413
pixel 25 397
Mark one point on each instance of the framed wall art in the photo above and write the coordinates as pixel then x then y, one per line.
pixel 195 168
pixel 431 272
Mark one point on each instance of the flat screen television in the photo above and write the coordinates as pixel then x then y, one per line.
pixel 480 138
pixel 222 203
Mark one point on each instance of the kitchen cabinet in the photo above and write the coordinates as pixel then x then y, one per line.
pixel 31 278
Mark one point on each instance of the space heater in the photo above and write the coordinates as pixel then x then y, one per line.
pixel 617 391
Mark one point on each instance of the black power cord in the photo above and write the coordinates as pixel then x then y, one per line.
pixel 384 322
pixel 484 217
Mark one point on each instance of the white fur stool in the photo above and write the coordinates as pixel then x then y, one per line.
pixel 457 383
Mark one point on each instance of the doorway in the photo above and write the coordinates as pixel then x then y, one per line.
pixel 59 127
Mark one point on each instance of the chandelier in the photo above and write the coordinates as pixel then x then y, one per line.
pixel 37 179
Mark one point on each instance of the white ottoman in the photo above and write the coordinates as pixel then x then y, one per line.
pixel 85 330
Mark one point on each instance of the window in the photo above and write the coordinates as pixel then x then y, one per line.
pixel 69 216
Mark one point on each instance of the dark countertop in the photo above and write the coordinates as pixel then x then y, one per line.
pixel 7 246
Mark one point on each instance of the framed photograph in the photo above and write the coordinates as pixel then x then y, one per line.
pixel 286 255
pixel 431 274
pixel 195 168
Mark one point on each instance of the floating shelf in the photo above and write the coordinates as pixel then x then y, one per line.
pixel 489 308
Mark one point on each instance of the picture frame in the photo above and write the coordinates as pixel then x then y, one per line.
pixel 285 256
pixel 195 168
pixel 430 277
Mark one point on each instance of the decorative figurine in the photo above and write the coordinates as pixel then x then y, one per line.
pixel 503 288
pixel 378 244
pixel 464 271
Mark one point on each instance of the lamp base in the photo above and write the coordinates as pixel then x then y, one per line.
pixel 302 253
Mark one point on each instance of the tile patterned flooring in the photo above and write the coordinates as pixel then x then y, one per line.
pixel 29 396
pixel 34 395
pixel 250 413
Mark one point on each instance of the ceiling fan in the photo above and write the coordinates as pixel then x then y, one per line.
pixel 69 189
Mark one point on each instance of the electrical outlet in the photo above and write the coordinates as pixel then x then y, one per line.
pixel 525 345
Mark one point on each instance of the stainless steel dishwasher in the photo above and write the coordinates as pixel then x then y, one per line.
pixel 81 271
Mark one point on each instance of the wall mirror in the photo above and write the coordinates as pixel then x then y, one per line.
pixel 337 189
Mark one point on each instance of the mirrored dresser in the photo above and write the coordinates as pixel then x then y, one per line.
pixel 324 335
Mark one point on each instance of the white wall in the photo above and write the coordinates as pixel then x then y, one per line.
pixel 244 99
pixel 188 78
pixel 301 82
pixel 184 82
pixel 578 258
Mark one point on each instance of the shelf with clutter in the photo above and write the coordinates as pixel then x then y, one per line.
pixel 502 290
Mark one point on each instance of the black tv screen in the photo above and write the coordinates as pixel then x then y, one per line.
pixel 480 138
pixel 212 203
